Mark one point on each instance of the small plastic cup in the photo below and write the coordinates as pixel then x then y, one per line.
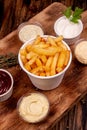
pixel 69 30
pixel 6 85
pixel 27 31
pixel 80 50
pixel 33 107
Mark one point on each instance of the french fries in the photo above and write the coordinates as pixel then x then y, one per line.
pixel 54 64
pixel 45 57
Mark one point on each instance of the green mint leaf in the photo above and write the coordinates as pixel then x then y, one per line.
pixel 74 20
pixel 68 12
pixel 73 16
pixel 77 13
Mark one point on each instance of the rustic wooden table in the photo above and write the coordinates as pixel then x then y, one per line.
pixel 63 98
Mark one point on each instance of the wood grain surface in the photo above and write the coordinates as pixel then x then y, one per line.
pixel 12 13
pixel 70 91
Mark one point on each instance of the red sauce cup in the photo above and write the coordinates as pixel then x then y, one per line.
pixel 6 85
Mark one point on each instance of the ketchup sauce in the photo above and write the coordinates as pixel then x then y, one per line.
pixel 5 82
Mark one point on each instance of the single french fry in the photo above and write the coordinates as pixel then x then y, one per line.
pixel 54 63
pixel 28 47
pixel 23 58
pixel 23 52
pixel 38 62
pixel 67 57
pixel 63 46
pixel 47 73
pixel 58 39
pixel 37 69
pixel 43 59
pixel 59 69
pixel 48 63
pixel 31 61
pixel 61 59
pixel 48 52
pixel 41 45
pixel 37 40
pixel 51 41
pixel 30 55
pixel 42 74
pixel 33 65
pixel 27 66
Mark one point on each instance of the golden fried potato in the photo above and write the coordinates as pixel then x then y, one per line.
pixel 45 57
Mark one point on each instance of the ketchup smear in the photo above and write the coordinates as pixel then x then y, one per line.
pixel 5 82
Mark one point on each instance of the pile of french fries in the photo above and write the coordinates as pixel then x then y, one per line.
pixel 45 56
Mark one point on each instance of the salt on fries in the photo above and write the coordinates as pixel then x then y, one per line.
pixel 45 57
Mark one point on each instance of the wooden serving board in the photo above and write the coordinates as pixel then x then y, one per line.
pixel 69 92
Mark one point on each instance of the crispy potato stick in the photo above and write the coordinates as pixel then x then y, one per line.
pixel 58 39
pixel 37 69
pixel 41 45
pixel 67 57
pixel 59 69
pixel 33 65
pixel 30 55
pixel 48 52
pixel 31 61
pixel 28 48
pixel 23 52
pixel 51 41
pixel 47 73
pixel 61 59
pixel 37 40
pixel 27 66
pixel 62 45
pixel 23 58
pixel 43 58
pixel 42 74
pixel 38 62
pixel 48 63
pixel 54 63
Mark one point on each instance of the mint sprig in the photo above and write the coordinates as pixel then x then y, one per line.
pixel 73 16
pixel 68 12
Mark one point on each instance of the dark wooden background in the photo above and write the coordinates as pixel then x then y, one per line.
pixel 14 12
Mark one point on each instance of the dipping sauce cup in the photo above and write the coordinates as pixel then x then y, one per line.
pixel 6 85
pixel 80 51
pixel 33 107
pixel 27 31
pixel 69 30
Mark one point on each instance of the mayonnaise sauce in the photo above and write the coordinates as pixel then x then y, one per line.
pixel 81 52
pixel 29 31
pixel 33 107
